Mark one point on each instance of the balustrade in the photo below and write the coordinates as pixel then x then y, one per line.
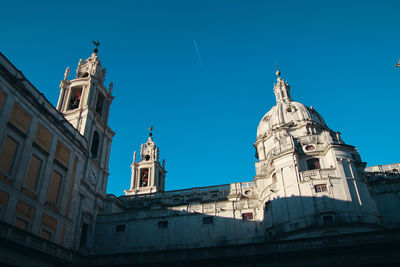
pixel 316 174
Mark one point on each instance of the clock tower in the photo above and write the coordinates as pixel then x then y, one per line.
pixel 85 102
pixel 148 175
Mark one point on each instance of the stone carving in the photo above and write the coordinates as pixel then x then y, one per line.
pixel 66 74
pixel 134 157
pixel 91 66
pixel 110 89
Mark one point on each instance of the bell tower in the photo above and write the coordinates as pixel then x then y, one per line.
pixel 148 175
pixel 85 102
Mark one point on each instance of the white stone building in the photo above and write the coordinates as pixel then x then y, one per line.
pixel 311 193
pixel 307 181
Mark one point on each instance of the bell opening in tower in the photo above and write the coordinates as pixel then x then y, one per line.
pixel 95 144
pixel 100 104
pixel 75 98
pixel 144 177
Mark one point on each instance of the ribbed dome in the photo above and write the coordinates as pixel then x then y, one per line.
pixel 284 113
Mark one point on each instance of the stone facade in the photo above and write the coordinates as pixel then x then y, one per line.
pixel 54 169
pixel 311 191
pixel 307 179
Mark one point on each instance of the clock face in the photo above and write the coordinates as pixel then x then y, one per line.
pixel 147 157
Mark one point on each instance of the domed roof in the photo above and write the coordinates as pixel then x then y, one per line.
pixel 284 113
pixel 287 111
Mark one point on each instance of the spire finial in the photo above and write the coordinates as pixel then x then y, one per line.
pixel 278 73
pixel 150 129
pixel 96 43
pixel 281 89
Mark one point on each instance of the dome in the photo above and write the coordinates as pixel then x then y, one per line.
pixel 287 111
pixel 283 113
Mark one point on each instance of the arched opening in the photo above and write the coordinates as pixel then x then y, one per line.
pixel 144 177
pixel 100 104
pixel 95 144
pixel 75 98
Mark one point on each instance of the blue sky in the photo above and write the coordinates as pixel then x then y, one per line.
pixel 338 56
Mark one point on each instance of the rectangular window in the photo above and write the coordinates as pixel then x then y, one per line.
pixel 208 220
pixel 49 222
pixel 328 219
pixel 95 144
pixel 4 198
pixel 20 118
pixel 7 155
pixel 84 232
pixel 346 167
pixel 54 187
pixel 25 210
pixel 62 154
pixel 24 214
pixel 33 173
pixel 43 137
pixel 120 228
pixel 313 164
pixel 3 97
pixel 162 224
pixel 45 234
pixel 21 224
pixel 247 216
pixel 320 188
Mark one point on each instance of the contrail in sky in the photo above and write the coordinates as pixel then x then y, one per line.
pixel 199 56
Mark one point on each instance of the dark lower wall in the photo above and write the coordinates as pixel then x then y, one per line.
pixel 386 193
pixel 365 249
pixel 380 248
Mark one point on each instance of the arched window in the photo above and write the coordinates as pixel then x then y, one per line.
pixel 144 177
pixel 100 104
pixel 95 144
pixel 75 98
